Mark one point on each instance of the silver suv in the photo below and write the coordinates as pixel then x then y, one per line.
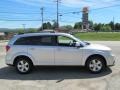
pixel 58 49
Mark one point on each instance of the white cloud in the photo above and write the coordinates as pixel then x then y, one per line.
pixel 90 3
pixel 71 3
pixel 77 3
pixel 36 3
pixel 29 2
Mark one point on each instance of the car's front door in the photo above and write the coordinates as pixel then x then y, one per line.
pixel 66 53
pixel 42 50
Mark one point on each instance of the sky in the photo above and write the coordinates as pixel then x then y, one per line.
pixel 15 13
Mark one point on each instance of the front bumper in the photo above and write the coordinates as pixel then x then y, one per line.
pixel 111 60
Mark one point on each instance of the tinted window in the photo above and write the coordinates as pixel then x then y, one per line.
pixel 36 40
pixel 47 40
pixel 21 41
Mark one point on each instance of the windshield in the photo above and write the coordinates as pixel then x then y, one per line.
pixel 84 43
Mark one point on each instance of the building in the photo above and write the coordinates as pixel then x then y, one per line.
pixel 85 19
pixel 2 35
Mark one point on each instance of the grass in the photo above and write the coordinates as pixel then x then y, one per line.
pixel 100 36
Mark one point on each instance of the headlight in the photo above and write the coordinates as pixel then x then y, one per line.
pixel 108 52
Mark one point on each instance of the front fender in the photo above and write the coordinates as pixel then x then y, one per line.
pixel 87 54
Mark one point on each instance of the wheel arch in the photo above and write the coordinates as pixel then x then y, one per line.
pixel 96 55
pixel 22 56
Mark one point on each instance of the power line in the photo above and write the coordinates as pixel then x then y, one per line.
pixel 42 13
pixel 58 14
pixel 74 12
pixel 58 1
pixel 25 20
pixel 18 13
pixel 17 20
pixel 105 7
pixel 77 12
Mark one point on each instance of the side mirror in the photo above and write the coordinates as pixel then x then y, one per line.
pixel 77 44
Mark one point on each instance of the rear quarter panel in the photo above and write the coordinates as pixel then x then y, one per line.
pixel 15 50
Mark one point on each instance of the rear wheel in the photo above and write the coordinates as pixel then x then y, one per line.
pixel 95 64
pixel 23 65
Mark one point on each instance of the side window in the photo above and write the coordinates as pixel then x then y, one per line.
pixel 47 40
pixel 65 41
pixel 35 40
pixel 21 41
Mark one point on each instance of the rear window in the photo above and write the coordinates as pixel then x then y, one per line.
pixel 35 40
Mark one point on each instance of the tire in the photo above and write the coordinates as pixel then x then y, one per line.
pixel 23 65
pixel 95 64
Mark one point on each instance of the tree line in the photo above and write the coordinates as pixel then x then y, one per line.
pixel 111 26
pixel 98 27
pixel 106 27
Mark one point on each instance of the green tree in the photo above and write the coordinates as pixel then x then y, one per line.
pixel 67 27
pixel 44 25
pixel 117 26
pixel 49 26
pixel 54 26
pixel 78 25
pixel 95 27
pixel 6 33
pixel 21 31
pixel 32 30
pixel 111 24
pixel 106 28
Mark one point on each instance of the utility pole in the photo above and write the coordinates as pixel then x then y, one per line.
pixel 58 1
pixel 24 26
pixel 113 24
pixel 42 10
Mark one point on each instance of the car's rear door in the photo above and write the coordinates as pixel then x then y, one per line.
pixel 42 49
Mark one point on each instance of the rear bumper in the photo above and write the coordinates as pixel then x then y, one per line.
pixel 8 61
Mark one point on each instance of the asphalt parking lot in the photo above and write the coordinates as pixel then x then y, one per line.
pixel 61 78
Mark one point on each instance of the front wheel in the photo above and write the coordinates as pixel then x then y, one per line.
pixel 95 64
pixel 23 65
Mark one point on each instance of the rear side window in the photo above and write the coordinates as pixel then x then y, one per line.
pixel 36 40
pixel 21 41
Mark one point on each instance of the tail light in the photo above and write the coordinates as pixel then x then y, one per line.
pixel 7 48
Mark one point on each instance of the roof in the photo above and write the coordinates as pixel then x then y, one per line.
pixel 37 34
pixel 41 34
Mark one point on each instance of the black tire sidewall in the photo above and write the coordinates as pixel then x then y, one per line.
pixel 92 58
pixel 26 60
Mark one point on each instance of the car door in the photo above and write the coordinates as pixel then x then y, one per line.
pixel 66 53
pixel 42 49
